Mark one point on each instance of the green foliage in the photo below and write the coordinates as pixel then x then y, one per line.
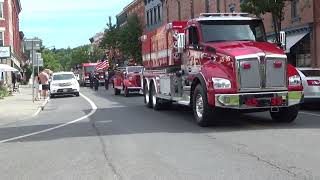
pixel 130 44
pixel 125 39
pixel 50 60
pixel 275 7
pixel 3 92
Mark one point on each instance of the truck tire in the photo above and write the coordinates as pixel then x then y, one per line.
pixel 285 115
pixel 146 94
pixel 126 92
pixel 156 105
pixel 201 109
pixel 116 91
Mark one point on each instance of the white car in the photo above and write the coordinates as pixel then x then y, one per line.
pixel 311 84
pixel 64 83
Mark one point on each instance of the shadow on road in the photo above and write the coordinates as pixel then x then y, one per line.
pixel 135 118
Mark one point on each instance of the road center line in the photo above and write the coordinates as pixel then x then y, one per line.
pixel 312 114
pixel 94 109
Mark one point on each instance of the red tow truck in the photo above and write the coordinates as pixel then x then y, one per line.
pixel 128 80
pixel 219 62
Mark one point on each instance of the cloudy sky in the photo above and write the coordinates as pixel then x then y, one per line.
pixel 67 23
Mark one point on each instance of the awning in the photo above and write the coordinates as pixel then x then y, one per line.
pixel 7 68
pixel 293 39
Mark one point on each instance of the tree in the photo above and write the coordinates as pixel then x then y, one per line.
pixel 275 7
pixel 130 33
pixel 50 60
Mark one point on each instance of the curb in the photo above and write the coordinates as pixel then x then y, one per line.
pixel 41 108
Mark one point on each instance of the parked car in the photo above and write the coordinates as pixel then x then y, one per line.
pixel 311 84
pixel 127 79
pixel 64 83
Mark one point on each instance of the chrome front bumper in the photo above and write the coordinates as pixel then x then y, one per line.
pixel 239 101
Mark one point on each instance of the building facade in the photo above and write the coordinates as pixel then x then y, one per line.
pixel 136 7
pixel 10 35
pixel 153 14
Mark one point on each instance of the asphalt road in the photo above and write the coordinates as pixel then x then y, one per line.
pixel 123 140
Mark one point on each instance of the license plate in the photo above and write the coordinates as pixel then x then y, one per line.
pixel 65 90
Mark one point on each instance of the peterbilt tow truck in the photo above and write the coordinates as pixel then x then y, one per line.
pixel 218 62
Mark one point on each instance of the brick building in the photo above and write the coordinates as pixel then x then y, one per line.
pixel 136 7
pixel 301 24
pixel 10 35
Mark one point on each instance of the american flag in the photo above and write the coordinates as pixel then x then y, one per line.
pixel 102 64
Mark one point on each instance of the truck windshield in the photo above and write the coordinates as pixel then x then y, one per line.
pixel 235 30
pixel 89 68
pixel 135 69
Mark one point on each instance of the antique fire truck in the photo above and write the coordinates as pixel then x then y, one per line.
pixel 218 62
pixel 128 80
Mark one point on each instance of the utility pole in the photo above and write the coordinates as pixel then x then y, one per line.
pixel 179 9
pixel 192 8
pixel 207 6
pixel 316 28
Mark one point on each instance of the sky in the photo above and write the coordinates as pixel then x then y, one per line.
pixel 67 23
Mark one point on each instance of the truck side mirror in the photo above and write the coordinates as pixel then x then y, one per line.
pixel 283 40
pixel 181 42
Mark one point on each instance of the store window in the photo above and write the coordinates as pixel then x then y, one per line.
pixel 300 53
pixel 1 10
pixel 1 38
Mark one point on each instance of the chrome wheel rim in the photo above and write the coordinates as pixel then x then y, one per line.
pixel 154 99
pixel 147 96
pixel 199 106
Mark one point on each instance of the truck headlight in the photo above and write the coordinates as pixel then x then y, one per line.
pixel 294 80
pixel 220 83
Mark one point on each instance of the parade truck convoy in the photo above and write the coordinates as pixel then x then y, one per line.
pixel 219 62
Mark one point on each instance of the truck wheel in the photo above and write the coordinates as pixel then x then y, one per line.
pixel 116 91
pixel 285 115
pixel 201 109
pixel 146 94
pixel 156 105
pixel 126 92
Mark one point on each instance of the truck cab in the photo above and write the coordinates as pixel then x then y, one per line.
pixel 128 80
pixel 222 62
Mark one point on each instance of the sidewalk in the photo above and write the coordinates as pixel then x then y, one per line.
pixel 19 106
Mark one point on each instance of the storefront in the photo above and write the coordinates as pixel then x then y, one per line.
pixel 298 46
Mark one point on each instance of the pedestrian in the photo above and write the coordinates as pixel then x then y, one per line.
pixel 91 75
pixel 36 86
pixel 106 79
pixel 14 80
pixel 96 81
pixel 44 79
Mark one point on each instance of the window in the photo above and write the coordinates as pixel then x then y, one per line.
pixel 232 7
pixel 1 10
pixel 219 31
pixel 159 13
pixel 1 38
pixel 193 36
pixel 155 15
pixel 151 17
pixel 295 9
pixel 148 24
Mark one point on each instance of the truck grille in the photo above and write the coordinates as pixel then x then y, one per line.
pixel 256 73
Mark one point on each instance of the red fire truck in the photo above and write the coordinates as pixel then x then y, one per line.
pixel 127 79
pixel 219 62
pixel 88 68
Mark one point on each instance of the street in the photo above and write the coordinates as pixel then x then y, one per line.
pixel 122 139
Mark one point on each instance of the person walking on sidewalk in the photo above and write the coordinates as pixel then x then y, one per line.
pixel 44 79
pixel 36 85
